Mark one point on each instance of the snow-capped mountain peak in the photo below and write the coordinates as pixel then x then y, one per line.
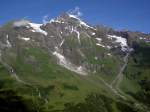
pixel 67 17
pixel 82 23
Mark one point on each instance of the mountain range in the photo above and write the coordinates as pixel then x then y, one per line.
pixel 67 65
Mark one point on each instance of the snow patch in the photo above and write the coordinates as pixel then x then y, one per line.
pixel 141 38
pixel 108 47
pixel 73 16
pixel 93 33
pixel 80 69
pixel 96 58
pixel 121 40
pixel 52 36
pixel 109 54
pixel 72 29
pixel 25 38
pixel 7 41
pixel 36 28
pixel 78 35
pixel 68 65
pixel 131 49
pixel 145 39
pixel 99 40
pixel 56 21
pixel 0 54
pixel 98 44
pixel 62 42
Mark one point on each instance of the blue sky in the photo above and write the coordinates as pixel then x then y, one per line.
pixel 119 14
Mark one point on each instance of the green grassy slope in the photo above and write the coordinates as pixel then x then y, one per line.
pixel 55 83
pixel 51 87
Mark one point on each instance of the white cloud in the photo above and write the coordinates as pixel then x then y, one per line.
pixel 76 12
pixel 20 23
pixel 45 19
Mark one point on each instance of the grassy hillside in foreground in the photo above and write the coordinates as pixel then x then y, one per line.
pixel 55 84
pixel 53 87
pixel 16 102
